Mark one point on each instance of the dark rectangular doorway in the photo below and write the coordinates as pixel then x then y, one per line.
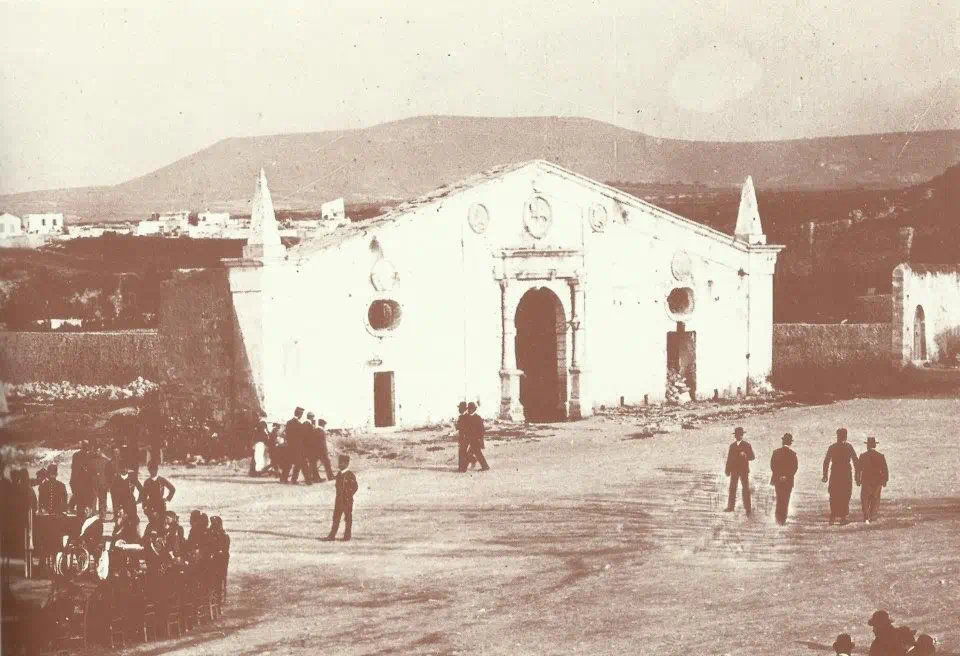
pixel 682 356
pixel 383 399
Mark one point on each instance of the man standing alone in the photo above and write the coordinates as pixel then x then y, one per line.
pixel 872 476
pixel 462 437
pixel 840 462
pixel 783 468
pixel 347 486
pixel 738 469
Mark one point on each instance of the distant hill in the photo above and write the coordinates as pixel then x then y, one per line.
pixel 405 158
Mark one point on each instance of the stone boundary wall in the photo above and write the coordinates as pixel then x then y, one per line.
pixel 89 358
pixel 804 353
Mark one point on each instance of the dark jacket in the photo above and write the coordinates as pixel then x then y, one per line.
pixel 346 486
pixel 783 465
pixel 52 497
pixel 844 460
pixel 873 469
pixel 293 433
pixel 473 423
pixel 739 456
pixel 121 493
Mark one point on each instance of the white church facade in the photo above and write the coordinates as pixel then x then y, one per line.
pixel 536 292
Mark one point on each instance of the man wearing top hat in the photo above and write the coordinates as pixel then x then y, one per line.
pixel 838 467
pixel 738 469
pixel 872 476
pixel 783 468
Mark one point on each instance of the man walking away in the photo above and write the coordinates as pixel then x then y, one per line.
pixel 296 447
pixel 783 468
pixel 310 447
pixel 739 456
pixel 343 505
pixel 838 467
pixel 462 443
pixel 872 476
pixel 475 431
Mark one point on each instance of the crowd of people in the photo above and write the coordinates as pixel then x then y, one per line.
pixel 841 469
pixel 298 447
pixel 888 640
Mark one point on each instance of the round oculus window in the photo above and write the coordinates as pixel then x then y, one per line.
pixel 383 315
pixel 680 302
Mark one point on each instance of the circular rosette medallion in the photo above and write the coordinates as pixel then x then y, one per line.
pixel 479 218
pixel 537 216
pixel 384 276
pixel 598 217
pixel 681 266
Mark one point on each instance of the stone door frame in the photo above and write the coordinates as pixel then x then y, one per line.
pixel 562 271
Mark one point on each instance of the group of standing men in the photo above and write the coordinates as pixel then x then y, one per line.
pixel 470 437
pixel 841 468
pixel 299 448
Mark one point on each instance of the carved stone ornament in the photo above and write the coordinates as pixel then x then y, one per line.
pixel 681 266
pixel 537 216
pixel 384 276
pixel 598 216
pixel 478 217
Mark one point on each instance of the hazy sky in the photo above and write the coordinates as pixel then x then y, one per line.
pixel 99 93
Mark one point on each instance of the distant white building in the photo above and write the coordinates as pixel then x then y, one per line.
pixel 210 224
pixel 10 226
pixel 333 215
pixel 57 323
pixel 43 224
pixel 149 227
pixel 221 219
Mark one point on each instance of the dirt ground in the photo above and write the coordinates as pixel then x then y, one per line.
pixel 604 536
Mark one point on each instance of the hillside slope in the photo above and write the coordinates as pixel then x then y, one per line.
pixel 405 158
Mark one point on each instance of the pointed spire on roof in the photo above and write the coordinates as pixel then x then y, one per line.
pixel 748 227
pixel 264 239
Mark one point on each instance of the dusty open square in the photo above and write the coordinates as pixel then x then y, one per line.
pixel 586 539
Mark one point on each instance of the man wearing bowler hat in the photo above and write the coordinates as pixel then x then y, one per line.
pixel 838 467
pixel 783 468
pixel 885 642
pixel 872 476
pixel 843 645
pixel 738 469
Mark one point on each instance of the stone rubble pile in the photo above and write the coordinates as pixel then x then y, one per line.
pixel 67 391
pixel 677 389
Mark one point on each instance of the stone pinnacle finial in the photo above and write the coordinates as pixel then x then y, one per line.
pixel 264 239
pixel 748 227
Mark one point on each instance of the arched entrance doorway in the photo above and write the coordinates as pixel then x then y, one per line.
pixel 541 347
pixel 919 335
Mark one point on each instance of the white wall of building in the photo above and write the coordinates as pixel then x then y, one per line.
pixel 447 346
pixel 43 224
pixel 10 225
pixel 935 289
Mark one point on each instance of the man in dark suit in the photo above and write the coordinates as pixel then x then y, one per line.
pixel 475 431
pixel 82 480
pixel 296 448
pixel 126 492
pixel 838 467
pixel 343 505
pixel 52 493
pixel 783 468
pixel 872 476
pixel 739 456
pixel 462 437
pixel 103 477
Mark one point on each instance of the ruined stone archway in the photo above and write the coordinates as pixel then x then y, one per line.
pixel 541 351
